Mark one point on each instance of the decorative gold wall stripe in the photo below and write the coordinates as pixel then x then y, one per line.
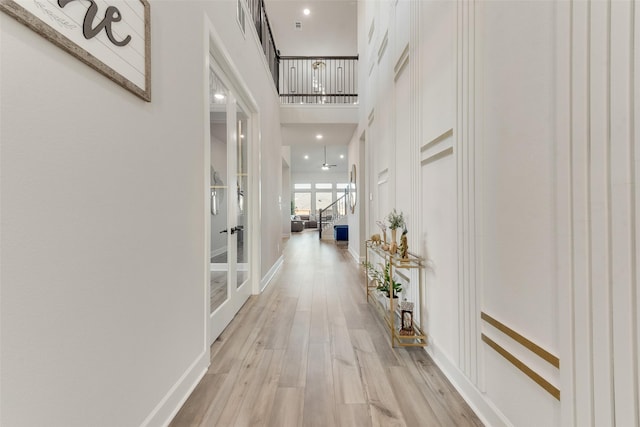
pixel 383 45
pixel 437 140
pixel 541 352
pixel 402 68
pixel 372 28
pixel 550 388
pixel 437 156
pixel 402 59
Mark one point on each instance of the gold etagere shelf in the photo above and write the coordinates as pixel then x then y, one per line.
pixel 390 311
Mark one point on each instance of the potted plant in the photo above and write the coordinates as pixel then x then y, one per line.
pixel 395 220
pixel 396 287
pixel 384 280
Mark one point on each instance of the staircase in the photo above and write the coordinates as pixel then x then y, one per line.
pixel 335 213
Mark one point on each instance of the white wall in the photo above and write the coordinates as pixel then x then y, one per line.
pixel 319 177
pixel 506 133
pixel 102 223
pixel 286 191
pixel 356 219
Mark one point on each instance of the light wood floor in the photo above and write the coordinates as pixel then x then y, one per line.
pixel 310 351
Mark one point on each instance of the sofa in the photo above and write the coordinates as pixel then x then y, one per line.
pixel 307 221
pixel 297 225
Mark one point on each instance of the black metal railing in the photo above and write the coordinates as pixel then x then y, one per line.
pixel 318 79
pixel 261 23
pixel 332 213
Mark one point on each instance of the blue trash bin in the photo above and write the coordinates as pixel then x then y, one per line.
pixel 341 232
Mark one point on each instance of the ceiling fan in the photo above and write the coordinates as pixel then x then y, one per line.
pixel 325 165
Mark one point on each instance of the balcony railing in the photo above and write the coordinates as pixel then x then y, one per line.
pixel 318 80
pixel 261 23
pixel 305 79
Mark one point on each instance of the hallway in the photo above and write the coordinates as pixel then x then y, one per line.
pixel 310 351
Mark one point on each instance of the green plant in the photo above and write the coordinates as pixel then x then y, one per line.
pixel 395 219
pixel 383 279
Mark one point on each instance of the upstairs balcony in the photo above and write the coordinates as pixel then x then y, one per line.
pixel 318 80
pixel 314 80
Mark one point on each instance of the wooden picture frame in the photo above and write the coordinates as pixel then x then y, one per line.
pixel 114 40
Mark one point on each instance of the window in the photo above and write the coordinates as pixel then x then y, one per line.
pixel 324 186
pixel 323 199
pixel 342 186
pixel 302 186
pixel 302 203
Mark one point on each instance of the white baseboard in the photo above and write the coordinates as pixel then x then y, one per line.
pixel 169 406
pixel 484 408
pixel 356 256
pixel 272 272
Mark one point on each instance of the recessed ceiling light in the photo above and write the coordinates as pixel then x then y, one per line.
pixel 306 11
pixel 342 156
pixel 318 136
pixel 306 156
pixel 218 96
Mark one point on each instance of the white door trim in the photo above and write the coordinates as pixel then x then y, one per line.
pixel 213 46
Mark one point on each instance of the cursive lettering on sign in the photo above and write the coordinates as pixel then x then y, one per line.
pixel 111 15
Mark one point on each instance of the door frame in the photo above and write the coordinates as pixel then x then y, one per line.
pixel 214 47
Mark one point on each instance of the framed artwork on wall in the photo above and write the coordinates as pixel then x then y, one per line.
pixel 111 36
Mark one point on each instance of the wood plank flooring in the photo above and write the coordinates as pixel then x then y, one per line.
pixel 310 351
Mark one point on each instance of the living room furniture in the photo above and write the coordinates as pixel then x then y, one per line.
pixel 297 225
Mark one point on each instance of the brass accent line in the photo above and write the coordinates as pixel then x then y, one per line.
pixel 541 352
pixel 438 139
pixel 437 156
pixel 550 388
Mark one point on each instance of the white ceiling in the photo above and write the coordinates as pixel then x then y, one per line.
pixel 316 158
pixel 329 30
pixel 303 141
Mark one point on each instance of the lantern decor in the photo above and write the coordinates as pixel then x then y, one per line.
pixel 406 316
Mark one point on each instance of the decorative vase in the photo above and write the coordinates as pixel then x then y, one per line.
pixel 393 235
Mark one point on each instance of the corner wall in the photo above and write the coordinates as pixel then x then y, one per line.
pixel 102 214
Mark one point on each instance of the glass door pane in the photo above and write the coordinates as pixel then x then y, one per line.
pixel 219 267
pixel 242 198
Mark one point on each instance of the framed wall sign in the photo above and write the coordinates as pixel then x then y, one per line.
pixel 111 36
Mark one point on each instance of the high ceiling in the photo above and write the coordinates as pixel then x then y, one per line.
pixel 330 29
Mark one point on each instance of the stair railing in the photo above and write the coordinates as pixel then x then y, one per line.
pixel 336 210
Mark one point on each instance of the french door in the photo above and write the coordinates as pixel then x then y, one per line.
pixel 229 272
